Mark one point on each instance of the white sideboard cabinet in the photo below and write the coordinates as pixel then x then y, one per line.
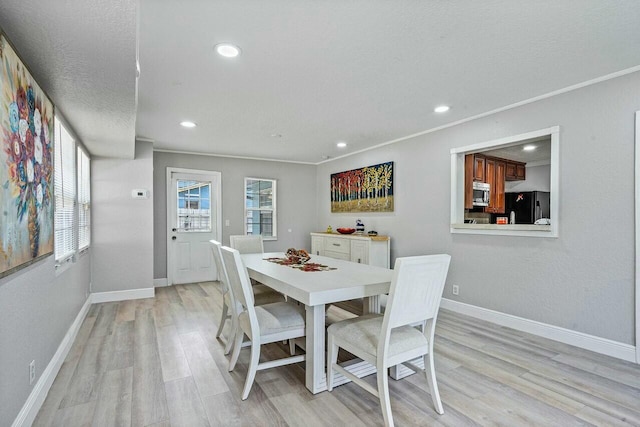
pixel 372 250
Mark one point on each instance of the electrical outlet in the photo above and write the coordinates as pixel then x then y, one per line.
pixel 32 372
pixel 456 289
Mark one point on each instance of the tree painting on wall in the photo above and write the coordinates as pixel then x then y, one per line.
pixel 26 169
pixel 368 189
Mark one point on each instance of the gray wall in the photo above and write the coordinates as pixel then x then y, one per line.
pixel 538 178
pixel 584 279
pixel 122 226
pixel 36 310
pixel 296 199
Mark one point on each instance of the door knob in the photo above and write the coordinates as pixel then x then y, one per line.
pixel 173 237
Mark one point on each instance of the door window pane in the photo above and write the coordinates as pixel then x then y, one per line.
pixel 194 205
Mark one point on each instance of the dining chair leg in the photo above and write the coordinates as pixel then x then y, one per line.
pixel 223 319
pixel 332 357
pixel 237 345
pixel 430 373
pixel 383 393
pixel 253 367
pixel 232 334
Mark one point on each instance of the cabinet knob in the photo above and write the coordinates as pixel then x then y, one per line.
pixel 359 262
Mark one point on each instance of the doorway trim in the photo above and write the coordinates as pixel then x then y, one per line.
pixel 218 223
pixel 637 235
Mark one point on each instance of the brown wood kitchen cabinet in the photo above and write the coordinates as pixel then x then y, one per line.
pixel 474 170
pixel 496 197
pixel 493 171
pixel 515 171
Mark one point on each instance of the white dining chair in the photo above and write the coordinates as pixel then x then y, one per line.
pixel 247 244
pixel 391 339
pixel 262 324
pixel 261 297
pixel 252 244
pixel 228 301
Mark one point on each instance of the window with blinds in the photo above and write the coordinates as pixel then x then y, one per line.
pixel 65 193
pixel 84 200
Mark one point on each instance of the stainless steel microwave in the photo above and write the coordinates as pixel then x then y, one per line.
pixel 481 192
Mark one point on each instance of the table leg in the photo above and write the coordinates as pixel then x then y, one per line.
pixel 315 376
pixel 371 304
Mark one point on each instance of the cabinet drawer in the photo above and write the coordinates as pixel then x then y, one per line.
pixel 336 255
pixel 336 244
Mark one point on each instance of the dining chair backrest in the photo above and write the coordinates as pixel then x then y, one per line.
pixel 416 289
pixel 220 268
pixel 238 278
pixel 247 244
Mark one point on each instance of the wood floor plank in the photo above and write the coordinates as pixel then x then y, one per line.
pixel 149 402
pixel 204 370
pixel 185 406
pixel 77 415
pixel 113 406
pixel 126 311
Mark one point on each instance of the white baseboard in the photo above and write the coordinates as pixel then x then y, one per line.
pixel 34 402
pixel 158 283
pixel 578 339
pixel 99 297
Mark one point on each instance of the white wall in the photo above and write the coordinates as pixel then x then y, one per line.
pixel 584 279
pixel 122 226
pixel 296 199
pixel 36 310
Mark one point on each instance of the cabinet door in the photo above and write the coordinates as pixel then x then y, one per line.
pixel 360 251
pixel 317 245
pixel 468 181
pixel 490 176
pixel 520 172
pixel 510 173
pixel 498 195
pixel 479 169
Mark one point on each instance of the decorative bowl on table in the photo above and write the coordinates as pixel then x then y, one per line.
pixel 346 230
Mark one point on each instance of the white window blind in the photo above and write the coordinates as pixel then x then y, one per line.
pixel 65 193
pixel 84 200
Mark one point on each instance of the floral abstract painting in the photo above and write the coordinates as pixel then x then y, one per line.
pixel 26 168
pixel 368 189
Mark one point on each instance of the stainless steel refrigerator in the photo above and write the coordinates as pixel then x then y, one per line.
pixel 524 204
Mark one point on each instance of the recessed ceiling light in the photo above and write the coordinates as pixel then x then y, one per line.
pixel 529 147
pixel 341 144
pixel 227 50
pixel 188 124
pixel 276 135
pixel 441 109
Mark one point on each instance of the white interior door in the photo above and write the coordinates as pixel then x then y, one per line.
pixel 193 218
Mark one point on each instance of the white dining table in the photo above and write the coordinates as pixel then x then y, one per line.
pixel 315 289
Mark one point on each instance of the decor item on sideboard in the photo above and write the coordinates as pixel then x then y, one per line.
pixel 26 165
pixel 359 227
pixel 368 189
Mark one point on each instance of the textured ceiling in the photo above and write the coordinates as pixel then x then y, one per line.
pixel 83 54
pixel 315 72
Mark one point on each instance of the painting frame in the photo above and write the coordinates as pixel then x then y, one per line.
pixel 26 165
pixel 366 189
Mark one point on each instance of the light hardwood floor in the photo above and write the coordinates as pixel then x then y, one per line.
pixel 156 362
